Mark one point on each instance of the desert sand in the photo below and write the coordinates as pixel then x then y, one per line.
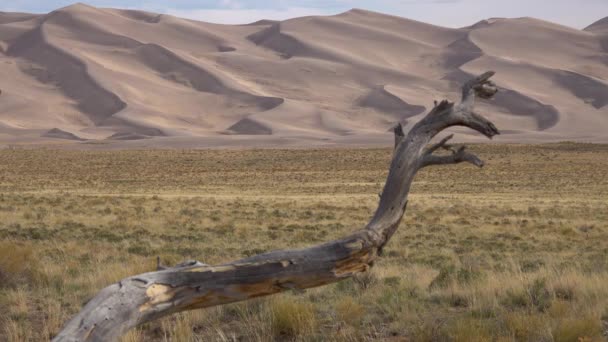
pixel 87 77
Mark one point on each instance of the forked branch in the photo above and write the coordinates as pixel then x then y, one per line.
pixel 458 155
pixel 145 297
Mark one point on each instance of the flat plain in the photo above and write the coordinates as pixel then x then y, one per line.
pixel 515 251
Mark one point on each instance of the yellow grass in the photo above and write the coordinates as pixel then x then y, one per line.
pixel 513 252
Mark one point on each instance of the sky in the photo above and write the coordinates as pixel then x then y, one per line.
pixel 451 13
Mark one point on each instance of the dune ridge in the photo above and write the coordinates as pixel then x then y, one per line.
pixel 130 78
pixel 600 28
pixel 51 64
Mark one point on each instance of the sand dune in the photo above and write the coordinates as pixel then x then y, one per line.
pixel 600 28
pixel 50 64
pixel 124 78
pixel 249 126
pixel 60 134
pixel 383 100
pixel 7 18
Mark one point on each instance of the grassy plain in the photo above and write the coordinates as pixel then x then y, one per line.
pixel 516 251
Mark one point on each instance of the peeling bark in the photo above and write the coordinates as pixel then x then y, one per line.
pixel 191 285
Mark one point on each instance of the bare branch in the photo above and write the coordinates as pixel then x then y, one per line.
pixel 457 156
pixel 443 107
pixel 480 124
pixel 440 144
pixel 480 85
pixel 399 135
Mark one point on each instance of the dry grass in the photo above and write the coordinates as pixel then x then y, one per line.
pixel 512 252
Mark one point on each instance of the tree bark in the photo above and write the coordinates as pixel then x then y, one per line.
pixel 145 297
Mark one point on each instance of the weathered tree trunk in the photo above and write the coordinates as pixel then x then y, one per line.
pixel 149 296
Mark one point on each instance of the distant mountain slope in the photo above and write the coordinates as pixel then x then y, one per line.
pixel 119 78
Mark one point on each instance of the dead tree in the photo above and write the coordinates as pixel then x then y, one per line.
pixel 192 285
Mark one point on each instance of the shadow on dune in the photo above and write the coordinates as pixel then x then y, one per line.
pixel 381 99
pixel 591 91
pixel 57 133
pixel 53 66
pixel 516 103
pixel 248 127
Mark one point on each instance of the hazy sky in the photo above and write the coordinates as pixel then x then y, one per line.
pixel 453 13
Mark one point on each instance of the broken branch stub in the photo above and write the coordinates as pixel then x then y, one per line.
pixel 145 297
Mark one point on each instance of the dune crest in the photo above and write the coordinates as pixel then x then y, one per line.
pixel 383 100
pixel 600 28
pixel 133 78
pixel 60 134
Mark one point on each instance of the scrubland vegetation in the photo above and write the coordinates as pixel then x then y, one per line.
pixel 516 251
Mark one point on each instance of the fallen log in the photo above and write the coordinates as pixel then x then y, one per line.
pixel 191 285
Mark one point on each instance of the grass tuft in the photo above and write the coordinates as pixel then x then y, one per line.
pixel 292 317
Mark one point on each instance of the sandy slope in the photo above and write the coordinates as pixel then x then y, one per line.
pixel 110 78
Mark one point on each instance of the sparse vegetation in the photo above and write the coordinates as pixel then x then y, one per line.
pixel 512 252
